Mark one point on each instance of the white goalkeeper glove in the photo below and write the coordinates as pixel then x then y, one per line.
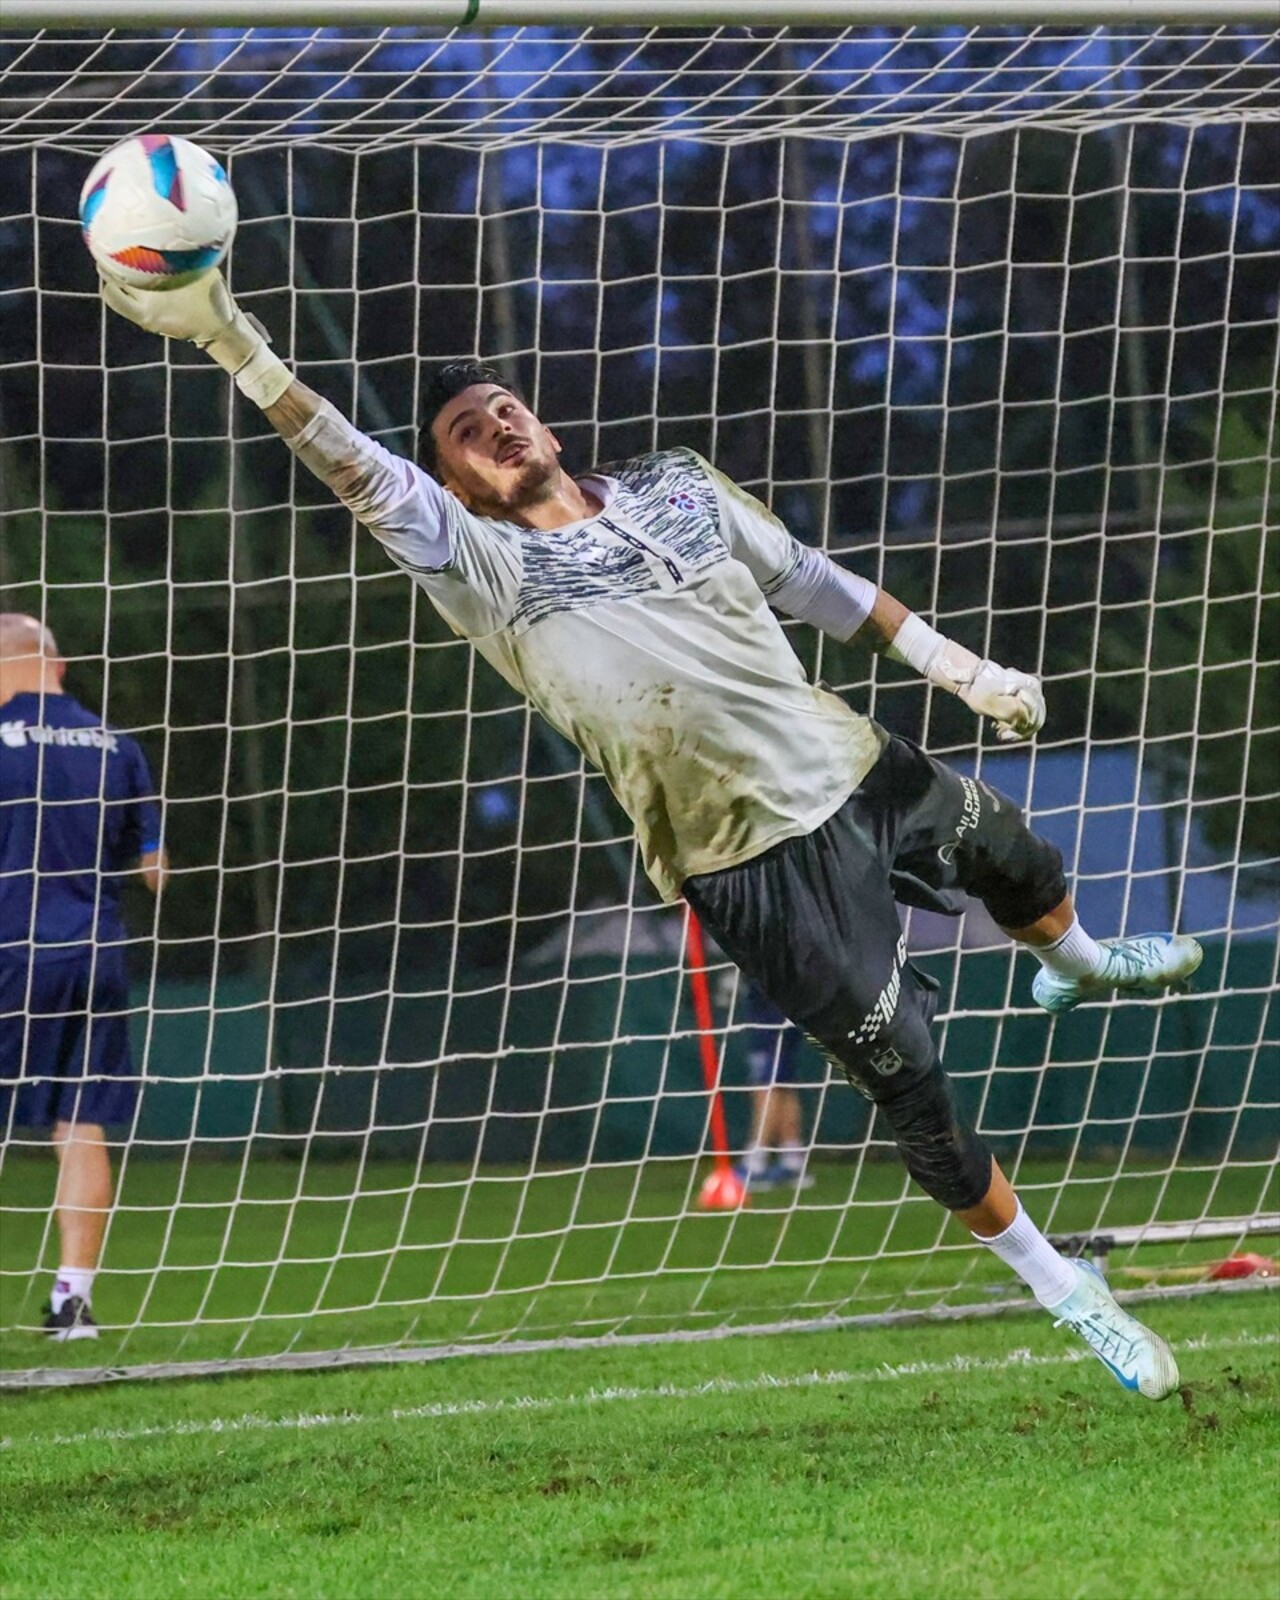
pixel 1013 700
pixel 205 313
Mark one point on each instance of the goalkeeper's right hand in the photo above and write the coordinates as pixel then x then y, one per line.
pixel 205 313
pixel 1013 700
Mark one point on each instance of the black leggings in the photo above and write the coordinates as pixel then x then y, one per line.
pixel 813 922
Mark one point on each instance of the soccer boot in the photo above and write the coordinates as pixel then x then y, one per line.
pixel 757 1179
pixel 1144 965
pixel 1131 1353
pixel 74 1321
pixel 789 1177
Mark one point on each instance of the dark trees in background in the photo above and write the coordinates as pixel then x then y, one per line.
pixel 986 370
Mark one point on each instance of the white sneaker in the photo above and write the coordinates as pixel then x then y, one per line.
pixel 1144 965
pixel 1135 1357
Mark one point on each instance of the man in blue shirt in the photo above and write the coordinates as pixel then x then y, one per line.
pixel 77 810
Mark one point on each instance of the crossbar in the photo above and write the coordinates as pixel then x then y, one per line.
pixel 308 14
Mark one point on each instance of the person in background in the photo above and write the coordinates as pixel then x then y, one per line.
pixel 78 810
pixel 777 1151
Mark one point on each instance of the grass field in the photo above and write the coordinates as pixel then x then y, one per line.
pixel 985 1459
pixel 213 1260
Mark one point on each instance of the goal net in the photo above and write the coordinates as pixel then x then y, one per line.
pixel 988 313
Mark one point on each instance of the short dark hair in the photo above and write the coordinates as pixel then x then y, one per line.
pixel 443 382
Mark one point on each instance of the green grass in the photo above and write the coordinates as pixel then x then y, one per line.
pixel 213 1260
pixel 529 1475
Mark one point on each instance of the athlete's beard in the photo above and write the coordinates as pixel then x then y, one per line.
pixel 536 481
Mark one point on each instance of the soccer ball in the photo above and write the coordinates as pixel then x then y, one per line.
pixel 157 212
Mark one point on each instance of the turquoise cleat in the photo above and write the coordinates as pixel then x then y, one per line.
pixel 1146 965
pixel 1134 1356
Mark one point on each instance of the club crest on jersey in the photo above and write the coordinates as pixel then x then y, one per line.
pixel 683 501
pixel 886 1062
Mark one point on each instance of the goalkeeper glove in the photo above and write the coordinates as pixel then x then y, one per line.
pixel 1013 700
pixel 205 313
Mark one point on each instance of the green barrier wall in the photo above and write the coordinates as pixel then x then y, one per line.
pixel 535 1085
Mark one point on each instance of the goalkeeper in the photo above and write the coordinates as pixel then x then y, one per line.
pixel 632 608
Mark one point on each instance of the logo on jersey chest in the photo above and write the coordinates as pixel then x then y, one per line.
pixel 15 735
pixel 684 501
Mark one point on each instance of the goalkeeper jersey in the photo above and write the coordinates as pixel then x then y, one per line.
pixel 642 633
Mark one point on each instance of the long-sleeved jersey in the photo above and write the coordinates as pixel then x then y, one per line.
pixel 643 633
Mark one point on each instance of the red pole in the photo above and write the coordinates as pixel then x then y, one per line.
pixel 723 1190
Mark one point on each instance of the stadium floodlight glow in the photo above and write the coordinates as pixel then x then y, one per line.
pixel 990 314
pixel 622 13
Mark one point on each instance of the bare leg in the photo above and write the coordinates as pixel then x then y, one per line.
pixel 759 1118
pixel 779 1120
pixel 84 1194
pixel 1000 1223
pixel 995 1211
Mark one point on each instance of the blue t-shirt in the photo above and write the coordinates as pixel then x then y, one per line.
pixel 80 795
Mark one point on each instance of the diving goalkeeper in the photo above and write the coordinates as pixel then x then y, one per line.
pixel 633 609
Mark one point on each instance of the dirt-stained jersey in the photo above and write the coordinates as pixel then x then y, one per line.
pixel 642 633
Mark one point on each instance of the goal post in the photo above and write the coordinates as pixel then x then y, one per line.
pixel 982 300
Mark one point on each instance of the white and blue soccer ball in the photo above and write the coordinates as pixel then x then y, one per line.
pixel 157 212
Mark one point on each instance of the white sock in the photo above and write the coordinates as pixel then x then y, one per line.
pixel 791 1157
pixel 71 1280
pixel 1075 955
pixel 1022 1246
pixel 756 1159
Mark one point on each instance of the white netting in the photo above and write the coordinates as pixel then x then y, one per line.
pixel 1000 330
pixel 619 86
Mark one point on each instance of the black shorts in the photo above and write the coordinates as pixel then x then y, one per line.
pixel 814 921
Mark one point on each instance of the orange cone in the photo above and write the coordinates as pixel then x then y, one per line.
pixel 724 1190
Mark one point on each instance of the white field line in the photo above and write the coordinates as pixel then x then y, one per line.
pixel 253 1422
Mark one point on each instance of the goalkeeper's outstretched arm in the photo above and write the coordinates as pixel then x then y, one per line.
pixel 848 607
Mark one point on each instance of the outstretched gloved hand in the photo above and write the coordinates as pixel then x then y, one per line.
pixel 205 313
